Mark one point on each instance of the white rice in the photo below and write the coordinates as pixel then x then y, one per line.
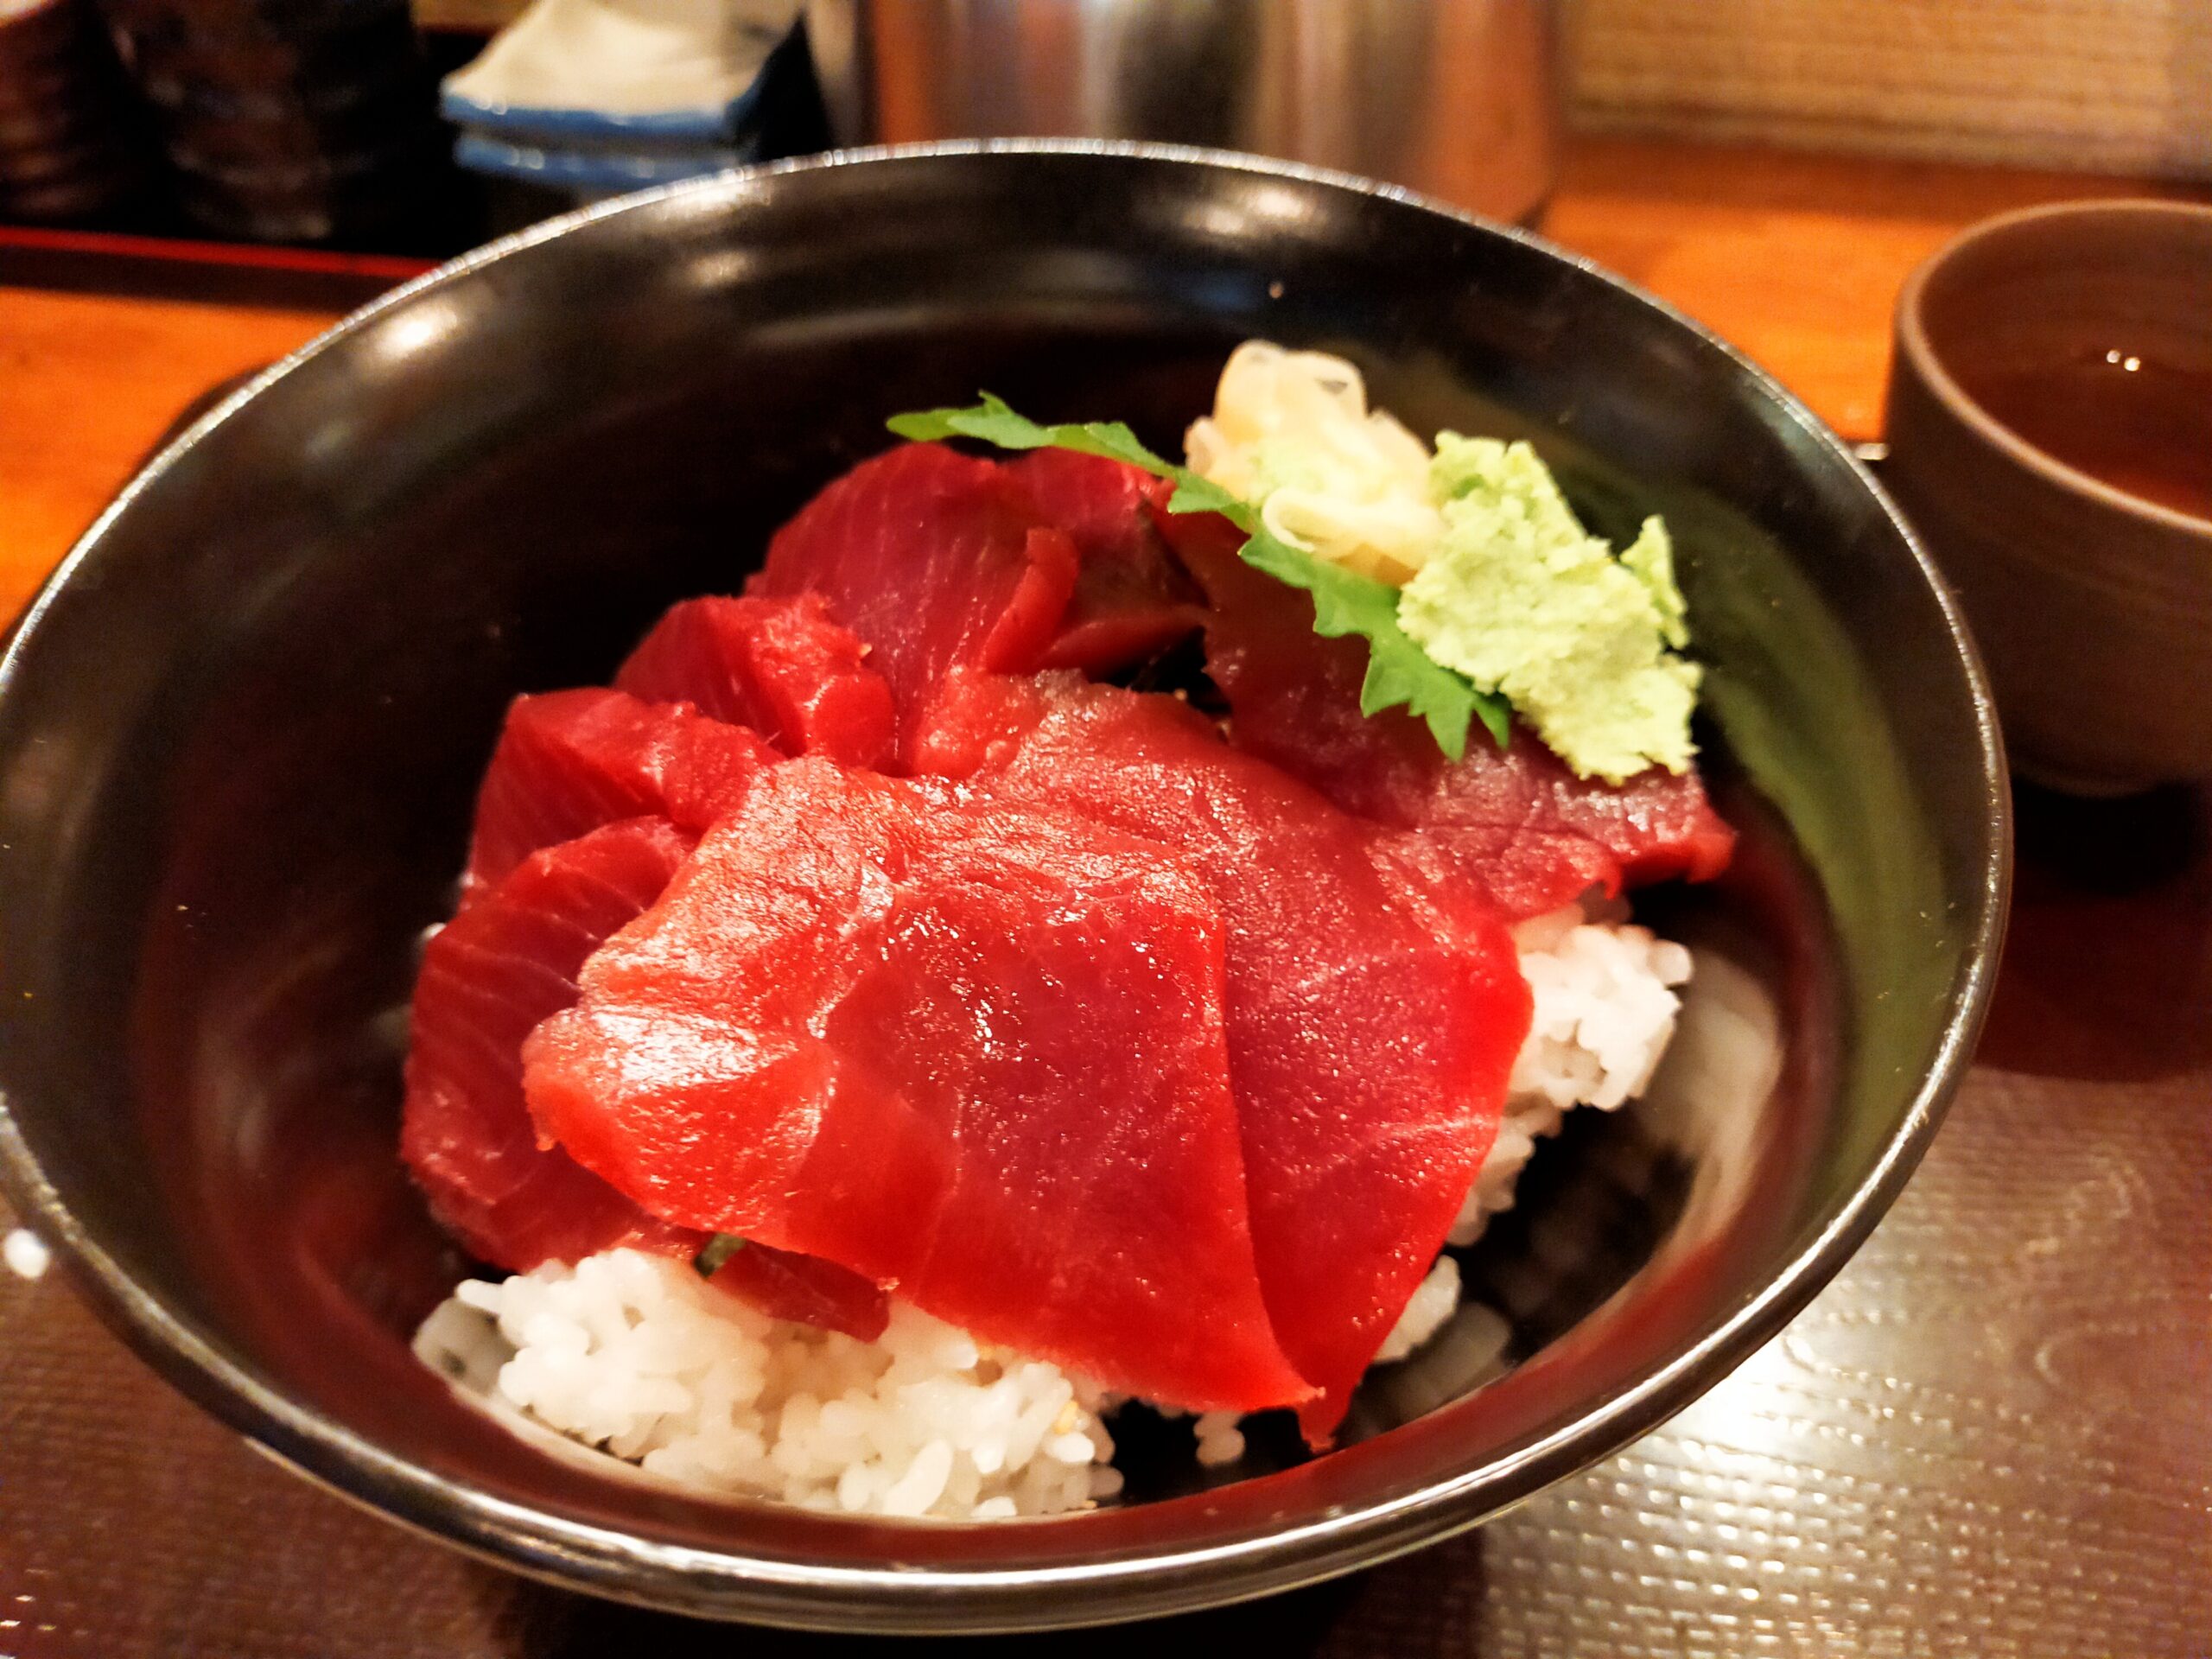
pixel 1434 1301
pixel 639 1357
pixel 1220 1440
pixel 1605 1007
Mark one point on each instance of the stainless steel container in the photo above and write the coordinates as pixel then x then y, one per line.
pixel 1456 98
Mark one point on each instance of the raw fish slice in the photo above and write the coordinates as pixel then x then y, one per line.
pixel 569 761
pixel 1372 1017
pixel 488 977
pixel 936 559
pixel 780 666
pixel 1521 823
pixel 805 1289
pixel 1518 822
pixel 973 1052
pixel 1131 600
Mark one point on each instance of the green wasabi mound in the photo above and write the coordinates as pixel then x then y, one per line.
pixel 1527 604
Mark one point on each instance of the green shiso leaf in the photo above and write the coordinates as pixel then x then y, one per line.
pixel 1400 674
pixel 718 1248
pixel 991 422
pixel 1196 495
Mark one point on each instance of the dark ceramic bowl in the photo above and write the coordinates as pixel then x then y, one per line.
pixel 239 730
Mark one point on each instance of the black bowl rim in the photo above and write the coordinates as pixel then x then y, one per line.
pixel 890 1599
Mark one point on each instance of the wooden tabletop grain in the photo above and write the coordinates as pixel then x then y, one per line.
pixel 1795 259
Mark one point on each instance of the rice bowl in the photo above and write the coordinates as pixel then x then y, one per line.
pixel 246 1096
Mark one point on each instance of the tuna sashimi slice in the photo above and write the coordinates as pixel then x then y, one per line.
pixel 1131 600
pixel 805 1289
pixel 936 559
pixel 1372 1018
pixel 569 761
pixel 1517 821
pixel 488 977
pixel 781 666
pixel 1535 836
pixel 972 1051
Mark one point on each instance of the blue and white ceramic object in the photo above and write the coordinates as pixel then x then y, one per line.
pixel 594 97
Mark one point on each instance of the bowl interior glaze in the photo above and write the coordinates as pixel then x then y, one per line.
pixel 238 737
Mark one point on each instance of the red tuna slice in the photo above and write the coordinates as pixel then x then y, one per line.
pixel 973 1052
pixel 488 977
pixel 1371 1019
pixel 805 1289
pixel 1517 821
pixel 1538 837
pixel 1131 600
pixel 936 559
pixel 569 761
pixel 780 666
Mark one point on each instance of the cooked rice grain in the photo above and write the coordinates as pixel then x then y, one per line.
pixel 1605 1008
pixel 639 1356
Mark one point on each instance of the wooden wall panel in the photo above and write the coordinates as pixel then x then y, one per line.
pixel 2114 85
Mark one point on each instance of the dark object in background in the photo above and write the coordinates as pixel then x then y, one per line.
pixel 271 161
pixel 289 120
pixel 71 144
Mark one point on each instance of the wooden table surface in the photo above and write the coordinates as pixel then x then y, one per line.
pixel 1990 1436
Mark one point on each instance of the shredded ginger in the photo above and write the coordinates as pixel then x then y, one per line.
pixel 1291 432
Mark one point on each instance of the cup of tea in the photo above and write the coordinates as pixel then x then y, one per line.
pixel 2050 433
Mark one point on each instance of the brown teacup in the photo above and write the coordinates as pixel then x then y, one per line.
pixel 2051 433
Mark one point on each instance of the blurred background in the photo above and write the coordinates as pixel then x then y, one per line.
pixel 376 126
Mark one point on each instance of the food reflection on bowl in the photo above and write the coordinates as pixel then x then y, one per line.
pixel 223 845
